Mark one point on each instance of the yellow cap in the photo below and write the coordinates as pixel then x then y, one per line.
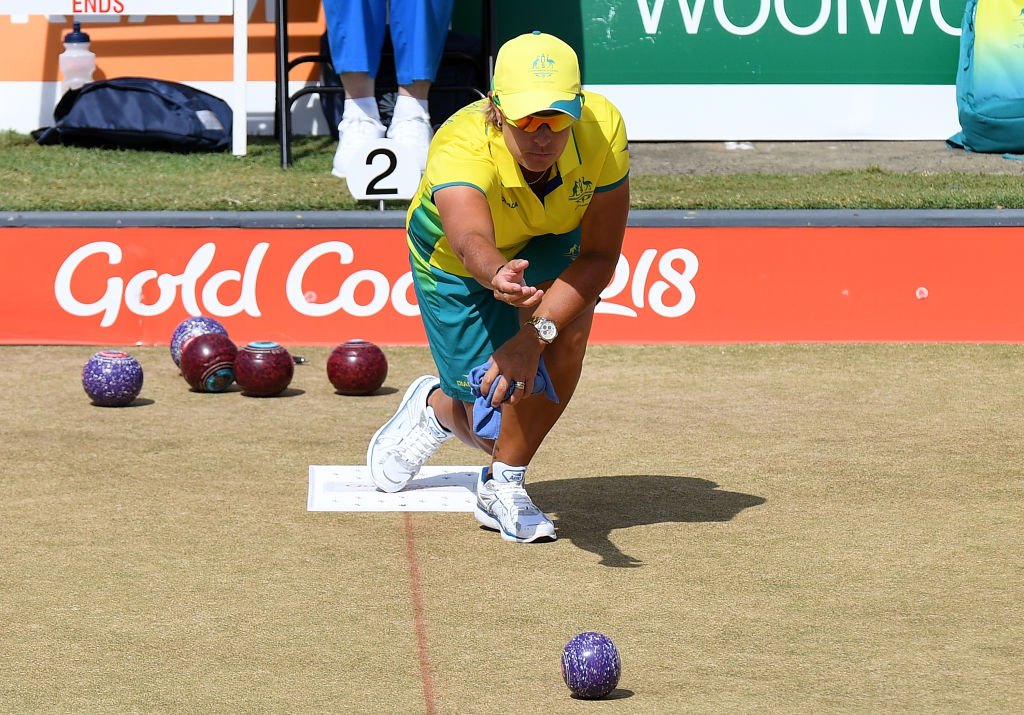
pixel 537 72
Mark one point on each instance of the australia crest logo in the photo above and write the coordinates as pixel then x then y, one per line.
pixel 582 191
pixel 543 65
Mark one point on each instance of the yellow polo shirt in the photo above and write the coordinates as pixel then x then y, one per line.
pixel 468 151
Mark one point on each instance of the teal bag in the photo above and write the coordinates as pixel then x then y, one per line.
pixel 990 78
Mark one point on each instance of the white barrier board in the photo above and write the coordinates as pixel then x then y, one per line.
pixel 348 488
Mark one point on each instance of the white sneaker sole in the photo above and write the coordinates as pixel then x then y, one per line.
pixel 490 522
pixel 380 479
pixel 342 160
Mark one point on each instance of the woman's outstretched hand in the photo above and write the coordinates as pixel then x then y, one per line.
pixel 509 285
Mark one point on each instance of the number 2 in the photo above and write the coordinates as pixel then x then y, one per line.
pixel 371 188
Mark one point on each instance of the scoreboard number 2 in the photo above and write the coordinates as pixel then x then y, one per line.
pixel 372 188
pixel 382 170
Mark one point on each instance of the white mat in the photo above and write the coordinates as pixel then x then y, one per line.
pixel 348 488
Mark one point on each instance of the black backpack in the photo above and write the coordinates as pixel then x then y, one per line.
pixel 140 113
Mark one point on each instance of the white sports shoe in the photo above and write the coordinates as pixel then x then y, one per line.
pixel 504 505
pixel 355 132
pixel 413 134
pixel 406 441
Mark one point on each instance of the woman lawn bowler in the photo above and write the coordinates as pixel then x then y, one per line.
pixel 516 228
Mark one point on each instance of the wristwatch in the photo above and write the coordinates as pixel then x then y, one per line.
pixel 546 329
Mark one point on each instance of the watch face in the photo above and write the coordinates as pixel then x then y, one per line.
pixel 545 329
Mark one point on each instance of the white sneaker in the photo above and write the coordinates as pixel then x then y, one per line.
pixel 504 505
pixel 355 132
pixel 407 440
pixel 413 135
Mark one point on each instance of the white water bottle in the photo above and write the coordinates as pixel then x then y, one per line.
pixel 77 62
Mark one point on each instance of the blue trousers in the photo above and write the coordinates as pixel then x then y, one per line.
pixel 419 28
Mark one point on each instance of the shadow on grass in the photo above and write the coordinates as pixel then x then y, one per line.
pixel 382 391
pixel 589 509
pixel 285 393
pixel 137 402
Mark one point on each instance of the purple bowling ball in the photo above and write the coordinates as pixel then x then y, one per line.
pixel 190 328
pixel 591 666
pixel 112 378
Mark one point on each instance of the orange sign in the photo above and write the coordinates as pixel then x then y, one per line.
pixel 182 48
pixel 124 286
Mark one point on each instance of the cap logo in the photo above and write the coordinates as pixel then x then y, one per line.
pixel 543 65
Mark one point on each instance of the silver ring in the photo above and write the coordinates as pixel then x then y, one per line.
pixel 519 385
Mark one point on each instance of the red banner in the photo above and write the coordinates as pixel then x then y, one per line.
pixel 125 286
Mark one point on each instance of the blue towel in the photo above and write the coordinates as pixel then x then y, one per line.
pixel 487 418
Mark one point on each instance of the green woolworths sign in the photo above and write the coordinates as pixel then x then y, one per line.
pixel 729 42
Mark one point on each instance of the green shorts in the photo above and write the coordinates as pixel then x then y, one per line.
pixel 464 322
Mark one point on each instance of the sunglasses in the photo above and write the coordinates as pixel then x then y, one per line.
pixel 555 121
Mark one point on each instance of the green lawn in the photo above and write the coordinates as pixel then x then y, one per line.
pixel 61 178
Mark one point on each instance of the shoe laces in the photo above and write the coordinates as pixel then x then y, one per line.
pixel 418 445
pixel 514 497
